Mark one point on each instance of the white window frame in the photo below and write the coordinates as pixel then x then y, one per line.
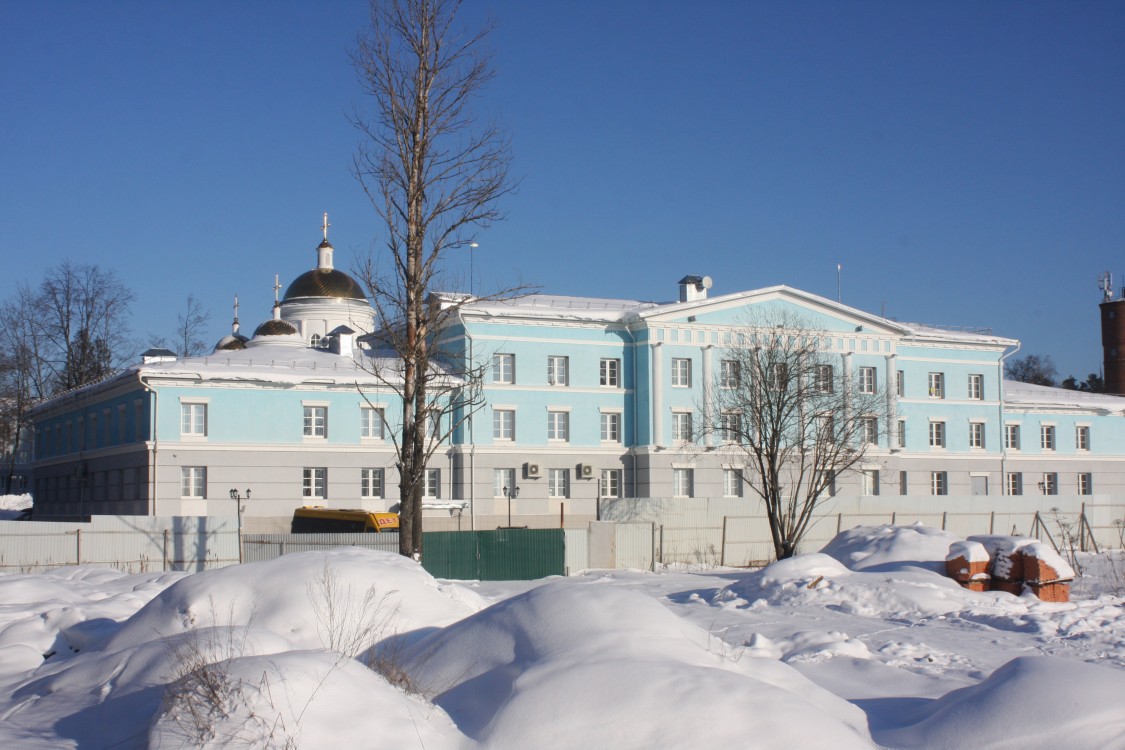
pixel 825 378
pixel 503 369
pixel 870 430
pixel 1082 437
pixel 976 387
pixel 900 383
pixel 314 483
pixel 868 379
pixel 1013 483
pixel 902 433
pixel 372 483
pixel 373 422
pixel 193 419
pixel 558 484
pixel 976 435
pixel 936 384
pixel 939 483
pixel 315 421
pixel 558 426
pixel 683 482
pixel 1047 437
pixel 611 427
pixel 610 483
pixel 681 372
pixel 1012 437
pixel 609 372
pixel 869 482
pixel 502 478
pixel 1085 483
pixel 558 370
pixel 732 483
pixel 431 486
pixel 682 426
pixel 730 374
pixel 937 433
pixel 1049 483
pixel 193 482
pixel 503 424
pixel 730 426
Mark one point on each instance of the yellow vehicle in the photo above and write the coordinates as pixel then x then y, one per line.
pixel 336 520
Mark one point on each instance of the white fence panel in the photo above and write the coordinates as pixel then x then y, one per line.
pixel 634 546
pixel 577 546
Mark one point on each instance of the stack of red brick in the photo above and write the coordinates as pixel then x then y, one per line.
pixel 1009 563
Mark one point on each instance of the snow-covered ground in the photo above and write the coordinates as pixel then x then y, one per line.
pixel 863 645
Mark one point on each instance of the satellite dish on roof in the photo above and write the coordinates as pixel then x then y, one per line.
pixel 707 282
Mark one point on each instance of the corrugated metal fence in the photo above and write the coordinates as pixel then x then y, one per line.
pixel 259 547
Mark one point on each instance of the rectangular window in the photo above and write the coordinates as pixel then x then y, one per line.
pixel 1012 437
pixel 937 434
pixel 193 482
pixel 558 483
pixel 902 433
pixel 976 387
pixel 1047 437
pixel 503 424
pixel 611 427
pixel 826 427
pixel 902 486
pixel 730 427
pixel 870 479
pixel 823 379
pixel 1086 484
pixel 681 426
pixel 778 376
pixel 938 483
pixel 193 419
pixel 1049 485
pixel 314 483
pixel 610 483
pixel 432 488
pixel 730 374
pixel 1082 438
pixel 558 370
pixel 504 368
pixel 611 373
pixel 937 384
pixel 900 384
pixel 732 483
pixel 372 423
pixel 867 380
pixel 558 425
pixel 1013 483
pixel 683 482
pixel 976 435
pixel 503 482
pixel 871 430
pixel 316 421
pixel 681 373
pixel 371 483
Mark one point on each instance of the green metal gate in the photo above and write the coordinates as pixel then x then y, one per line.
pixel 500 555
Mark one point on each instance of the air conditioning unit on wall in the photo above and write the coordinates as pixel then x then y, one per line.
pixel 532 471
pixel 585 471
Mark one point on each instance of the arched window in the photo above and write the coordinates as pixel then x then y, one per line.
pixel 315 340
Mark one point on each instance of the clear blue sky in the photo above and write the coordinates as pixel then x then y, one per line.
pixel 964 161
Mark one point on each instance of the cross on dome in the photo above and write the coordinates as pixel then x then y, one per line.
pixel 324 226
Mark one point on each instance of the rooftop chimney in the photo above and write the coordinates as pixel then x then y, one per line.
pixel 694 288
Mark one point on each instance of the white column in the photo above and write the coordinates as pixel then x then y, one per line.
pixel 657 394
pixel 892 401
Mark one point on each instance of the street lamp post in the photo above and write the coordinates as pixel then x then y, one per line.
pixel 511 492
pixel 237 497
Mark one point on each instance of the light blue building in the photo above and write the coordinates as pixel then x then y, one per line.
pixel 583 399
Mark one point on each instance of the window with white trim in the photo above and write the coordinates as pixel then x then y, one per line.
pixel 610 373
pixel 503 480
pixel 558 425
pixel 683 482
pixel 824 379
pixel 939 483
pixel 371 483
pixel 900 384
pixel 732 483
pixel 611 427
pixel 316 421
pixel 504 368
pixel 937 434
pixel 372 422
pixel 558 370
pixel 1085 484
pixel 902 433
pixel 902 483
pixel 1047 437
pixel 778 373
pixel 870 481
pixel 976 387
pixel 730 427
pixel 976 434
pixel 431 490
pixel 1049 484
pixel 558 483
pixel 1012 437
pixel 193 482
pixel 1013 483
pixel 1082 438
pixel 503 424
pixel 314 483
pixel 870 427
pixel 610 485
pixel 936 382
pixel 730 374
pixel 681 373
pixel 193 420
pixel 867 380
pixel 681 426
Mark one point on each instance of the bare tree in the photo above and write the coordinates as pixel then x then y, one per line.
pixel 1034 369
pixel 434 176
pixel 190 324
pixel 790 420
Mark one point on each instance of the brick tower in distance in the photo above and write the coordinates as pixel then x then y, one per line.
pixel 1113 336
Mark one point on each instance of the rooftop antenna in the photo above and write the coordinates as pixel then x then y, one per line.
pixel 1105 284
pixel 235 326
pixel 839 268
